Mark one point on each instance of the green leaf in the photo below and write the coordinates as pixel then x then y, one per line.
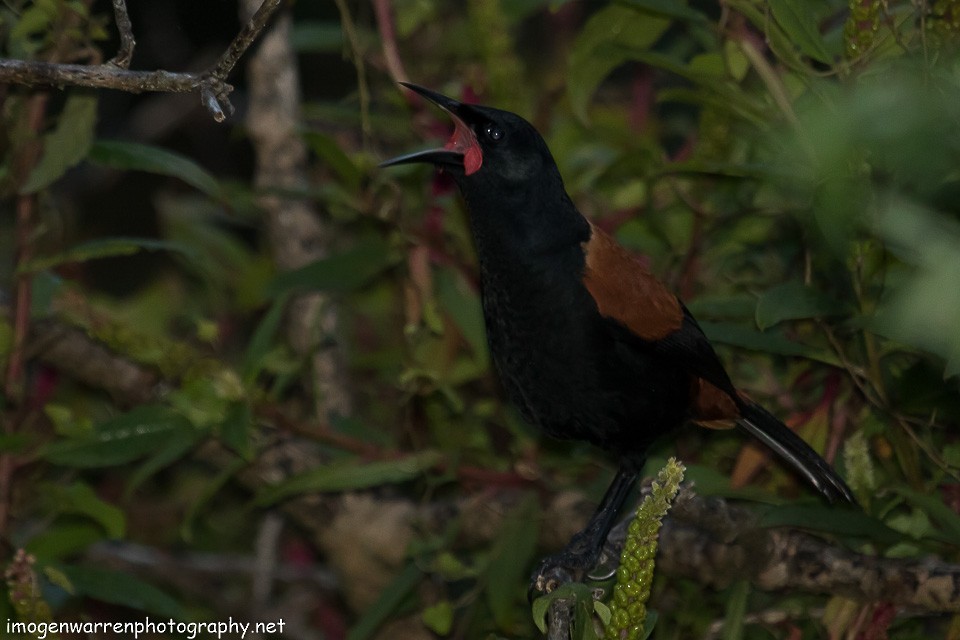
pixel 340 273
pixel 667 8
pixel 67 144
pixel 838 521
pixel 235 430
pixel 262 339
pixel 64 539
pixel 736 610
pixel 438 617
pixel 122 589
pixel 793 300
pixel 387 602
pixel 103 248
pixel 577 591
pixel 463 306
pixel 317 37
pixel 333 156
pixel 78 498
pixel 770 341
pixel 120 440
pixel 946 518
pixel 799 23
pixel 350 475
pixel 210 489
pixel 510 555
pixel 611 37
pixel 176 446
pixel 132 156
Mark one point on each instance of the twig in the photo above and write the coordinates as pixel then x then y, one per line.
pixel 560 619
pixel 125 27
pixel 350 29
pixel 211 84
pixel 388 37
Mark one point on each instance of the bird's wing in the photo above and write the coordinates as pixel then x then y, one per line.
pixel 626 292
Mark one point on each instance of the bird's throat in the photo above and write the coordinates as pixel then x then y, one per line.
pixel 464 141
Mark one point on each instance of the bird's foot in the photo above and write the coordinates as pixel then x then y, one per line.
pixel 570 565
pixel 551 574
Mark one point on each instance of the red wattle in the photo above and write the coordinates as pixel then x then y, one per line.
pixel 472 159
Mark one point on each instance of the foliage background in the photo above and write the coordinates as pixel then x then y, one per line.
pixel 789 167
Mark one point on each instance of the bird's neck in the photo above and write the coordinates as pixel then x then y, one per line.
pixel 525 222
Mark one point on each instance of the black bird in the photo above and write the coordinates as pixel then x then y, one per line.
pixel 587 343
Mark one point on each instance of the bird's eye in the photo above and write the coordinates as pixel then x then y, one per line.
pixel 493 132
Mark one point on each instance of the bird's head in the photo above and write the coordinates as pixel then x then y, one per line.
pixel 489 147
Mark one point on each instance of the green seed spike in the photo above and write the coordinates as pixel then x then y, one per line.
pixel 628 607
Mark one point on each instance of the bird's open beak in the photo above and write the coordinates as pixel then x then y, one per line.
pixel 462 150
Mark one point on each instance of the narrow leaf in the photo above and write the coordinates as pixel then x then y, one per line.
pixel 343 272
pixel 67 144
pixel 830 520
pixel 103 248
pixel 512 551
pixel 668 8
pixel 350 475
pixel 140 157
pixel 386 603
pixel 608 40
pixel 799 23
pixel 120 440
pixel 79 499
pixel 123 589
pixel 793 301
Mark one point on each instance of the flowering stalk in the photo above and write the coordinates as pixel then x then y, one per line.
pixel 628 607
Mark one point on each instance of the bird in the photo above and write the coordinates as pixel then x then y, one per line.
pixel 587 343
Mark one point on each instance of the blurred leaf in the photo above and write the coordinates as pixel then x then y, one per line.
pixel 387 602
pixel 133 156
pixel 68 143
pixel 668 8
pixel 79 499
pixel 946 518
pixel 770 341
pixel 736 610
pixel 175 447
pixel 579 592
pixel 509 558
pixel 210 489
pixel 103 248
pixel 350 475
pixel 64 539
pixel 235 430
pixel 463 306
pixel 607 41
pixel 340 273
pixel 316 37
pixel 123 439
pixel 799 23
pixel 117 587
pixel 333 156
pixel 838 521
pixel 793 300
pixel 261 341
pixel 438 617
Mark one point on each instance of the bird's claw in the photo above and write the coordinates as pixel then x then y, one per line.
pixel 548 577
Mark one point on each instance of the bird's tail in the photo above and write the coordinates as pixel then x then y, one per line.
pixel 763 426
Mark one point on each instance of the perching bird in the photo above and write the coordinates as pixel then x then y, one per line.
pixel 587 343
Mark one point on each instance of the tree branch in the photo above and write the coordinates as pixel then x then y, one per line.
pixel 211 84
pixel 125 27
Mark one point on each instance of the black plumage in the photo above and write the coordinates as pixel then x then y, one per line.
pixel 586 341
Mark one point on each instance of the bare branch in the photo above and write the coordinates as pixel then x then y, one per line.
pixel 211 84
pixel 127 43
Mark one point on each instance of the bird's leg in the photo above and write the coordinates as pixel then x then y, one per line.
pixel 583 551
